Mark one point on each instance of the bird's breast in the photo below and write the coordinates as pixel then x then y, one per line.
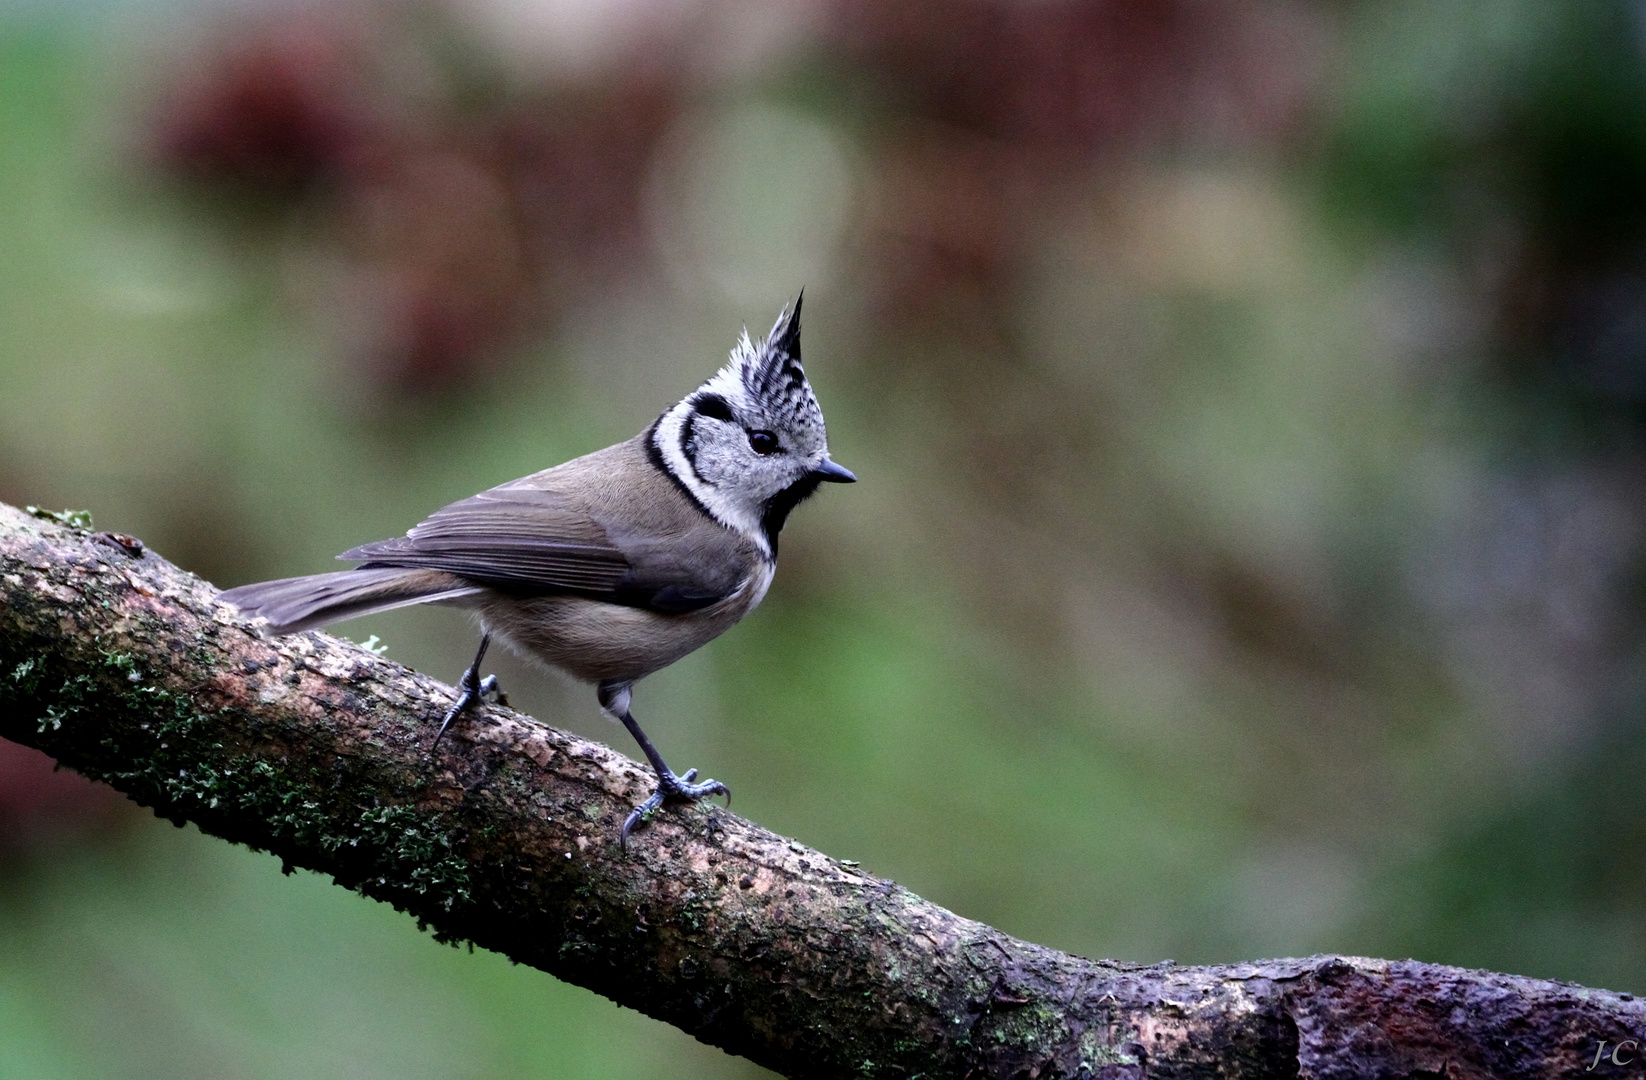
pixel 592 640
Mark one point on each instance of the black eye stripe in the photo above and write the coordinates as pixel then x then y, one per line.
pixel 713 406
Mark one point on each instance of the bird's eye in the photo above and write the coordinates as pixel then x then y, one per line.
pixel 763 442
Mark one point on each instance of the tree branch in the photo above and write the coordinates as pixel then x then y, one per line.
pixel 126 669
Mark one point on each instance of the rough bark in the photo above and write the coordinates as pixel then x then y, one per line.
pixel 126 669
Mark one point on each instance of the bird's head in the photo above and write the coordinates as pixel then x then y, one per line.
pixel 749 444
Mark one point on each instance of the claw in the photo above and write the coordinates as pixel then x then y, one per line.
pixel 489 688
pixel 463 702
pixel 637 815
pixel 671 789
pixel 472 690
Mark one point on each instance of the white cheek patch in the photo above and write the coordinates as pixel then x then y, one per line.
pixel 731 512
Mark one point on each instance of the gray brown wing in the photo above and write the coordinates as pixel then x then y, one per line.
pixel 513 537
pixel 534 539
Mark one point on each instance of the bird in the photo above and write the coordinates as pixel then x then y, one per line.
pixel 613 565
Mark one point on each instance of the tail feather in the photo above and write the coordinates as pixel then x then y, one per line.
pixel 302 603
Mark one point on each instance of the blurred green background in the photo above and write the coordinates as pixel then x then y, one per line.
pixel 1249 401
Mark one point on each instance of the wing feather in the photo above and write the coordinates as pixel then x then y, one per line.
pixel 513 537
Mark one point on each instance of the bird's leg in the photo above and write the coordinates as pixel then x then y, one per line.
pixel 614 698
pixel 471 691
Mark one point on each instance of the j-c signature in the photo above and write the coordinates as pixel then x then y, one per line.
pixel 1622 1054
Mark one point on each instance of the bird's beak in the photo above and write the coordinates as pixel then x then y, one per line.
pixel 834 474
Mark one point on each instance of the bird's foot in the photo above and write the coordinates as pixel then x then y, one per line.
pixel 472 690
pixel 672 789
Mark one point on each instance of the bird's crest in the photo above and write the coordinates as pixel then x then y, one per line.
pixel 768 376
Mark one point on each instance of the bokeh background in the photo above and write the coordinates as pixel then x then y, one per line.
pixel 1249 401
